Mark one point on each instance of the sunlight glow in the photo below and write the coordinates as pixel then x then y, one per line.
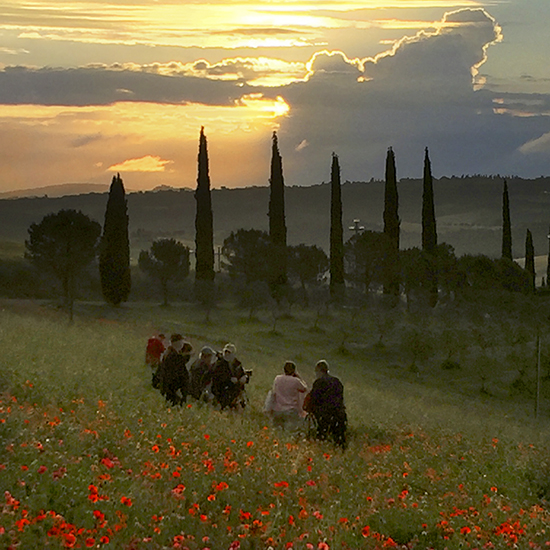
pixel 220 24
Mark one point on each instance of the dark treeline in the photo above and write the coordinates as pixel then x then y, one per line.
pixel 282 264
pixel 469 212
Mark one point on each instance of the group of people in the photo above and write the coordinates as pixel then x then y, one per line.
pixel 213 377
pixel 290 405
pixel 219 377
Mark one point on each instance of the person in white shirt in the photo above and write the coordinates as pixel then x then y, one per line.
pixel 287 396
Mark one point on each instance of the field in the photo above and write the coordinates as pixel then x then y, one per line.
pixel 444 447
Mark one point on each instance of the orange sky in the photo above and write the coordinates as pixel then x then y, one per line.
pixel 89 88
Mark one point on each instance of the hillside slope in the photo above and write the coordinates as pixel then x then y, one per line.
pixel 468 212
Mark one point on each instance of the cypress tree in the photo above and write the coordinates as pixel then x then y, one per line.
pixel 429 231
pixel 336 232
pixel 204 220
pixel 506 225
pixel 277 224
pixel 530 259
pixel 391 224
pixel 114 255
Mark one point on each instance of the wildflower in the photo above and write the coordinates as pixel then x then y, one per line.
pixel 107 462
pixel 221 486
pixel 206 436
pixel 69 540
pixel 323 546
pixel 365 531
pixel 42 469
pixel 250 443
pixel 126 501
pixel 104 539
pixel 244 516
pixel 279 484
pixel 90 542
pixel 465 530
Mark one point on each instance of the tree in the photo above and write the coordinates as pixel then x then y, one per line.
pixel 64 244
pixel 337 284
pixel 277 225
pixel 506 224
pixel 391 223
pixel 204 222
pixel 114 253
pixel 548 261
pixel 307 264
pixel 530 259
pixel 429 231
pixel 247 251
pixel 366 256
pixel 167 260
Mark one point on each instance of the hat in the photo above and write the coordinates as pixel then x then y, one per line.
pixel 207 351
pixel 322 366
pixel 230 348
pixel 176 337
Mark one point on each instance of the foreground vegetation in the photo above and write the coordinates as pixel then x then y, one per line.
pixel 444 448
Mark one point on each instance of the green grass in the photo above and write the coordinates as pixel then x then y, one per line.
pixel 11 250
pixel 92 455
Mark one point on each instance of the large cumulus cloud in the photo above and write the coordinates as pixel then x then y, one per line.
pixel 423 92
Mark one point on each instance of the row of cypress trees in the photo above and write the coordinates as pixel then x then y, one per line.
pixel 114 260
pixel 507 240
pixel 277 224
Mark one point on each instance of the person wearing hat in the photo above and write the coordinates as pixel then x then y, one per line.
pixel 228 378
pixel 200 372
pixel 326 404
pixel 173 373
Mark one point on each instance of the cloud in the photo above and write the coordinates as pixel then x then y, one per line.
pixel 327 64
pixel 104 85
pixel 82 141
pixel 148 163
pixel 538 145
pixel 425 90
pixel 422 92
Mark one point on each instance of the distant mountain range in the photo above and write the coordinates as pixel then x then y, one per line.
pixel 62 190
pixel 468 211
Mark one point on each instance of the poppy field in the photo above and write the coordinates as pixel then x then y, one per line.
pixel 91 456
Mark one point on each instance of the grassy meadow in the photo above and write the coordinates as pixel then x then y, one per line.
pixel 444 449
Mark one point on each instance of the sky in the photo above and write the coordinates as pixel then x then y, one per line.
pixel 93 88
